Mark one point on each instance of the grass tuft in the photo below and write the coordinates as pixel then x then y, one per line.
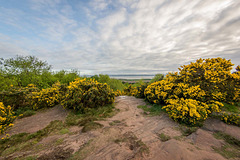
pixel 152 110
pixel 91 126
pixel 229 150
pixel 164 137
pixel 230 108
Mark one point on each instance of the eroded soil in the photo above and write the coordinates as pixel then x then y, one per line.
pixel 129 134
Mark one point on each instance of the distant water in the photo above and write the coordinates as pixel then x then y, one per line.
pixel 131 76
pixel 127 76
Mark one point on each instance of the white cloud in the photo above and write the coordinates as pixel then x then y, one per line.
pixel 99 5
pixel 132 36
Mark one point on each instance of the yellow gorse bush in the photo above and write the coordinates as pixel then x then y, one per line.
pixel 230 118
pixel 159 92
pixel 19 95
pixel 203 84
pixel 46 97
pixel 6 117
pixel 187 111
pixel 118 93
pixel 214 77
pixel 131 90
pixel 140 90
pixel 83 94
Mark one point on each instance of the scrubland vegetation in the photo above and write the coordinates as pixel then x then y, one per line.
pixel 201 89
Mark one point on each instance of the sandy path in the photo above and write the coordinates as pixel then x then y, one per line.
pixel 147 129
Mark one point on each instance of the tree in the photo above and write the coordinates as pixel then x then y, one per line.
pixel 25 69
pixel 157 77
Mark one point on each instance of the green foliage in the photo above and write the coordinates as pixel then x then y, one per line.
pixel 114 84
pixel 231 150
pixel 65 77
pixel 24 69
pixel 230 108
pixel 64 131
pixel 152 110
pixel 229 139
pixel 164 137
pixel 24 141
pixel 24 112
pixel 6 81
pixel 87 119
pixel 138 83
pixel 157 77
pixel 91 126
pixel 187 130
pixel 83 94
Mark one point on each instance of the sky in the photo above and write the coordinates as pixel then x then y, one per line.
pixel 120 36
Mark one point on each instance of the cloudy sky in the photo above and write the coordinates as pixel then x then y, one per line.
pixel 120 36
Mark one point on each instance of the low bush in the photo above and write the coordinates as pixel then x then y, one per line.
pixel 83 94
pixel 230 118
pixel 6 117
pixel 187 111
pixel 118 93
pixel 130 90
pixel 140 90
pixel 19 95
pixel 46 97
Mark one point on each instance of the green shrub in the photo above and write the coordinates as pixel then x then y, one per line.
pixel 83 94
pixel 157 77
pixel 114 84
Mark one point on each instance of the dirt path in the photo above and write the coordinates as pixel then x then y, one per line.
pixel 138 137
pixel 38 121
pixel 132 135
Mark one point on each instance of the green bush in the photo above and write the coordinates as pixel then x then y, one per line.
pixel 114 84
pixel 157 77
pixel 83 94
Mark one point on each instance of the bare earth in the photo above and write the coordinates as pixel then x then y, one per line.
pixel 128 135
pixel 39 121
